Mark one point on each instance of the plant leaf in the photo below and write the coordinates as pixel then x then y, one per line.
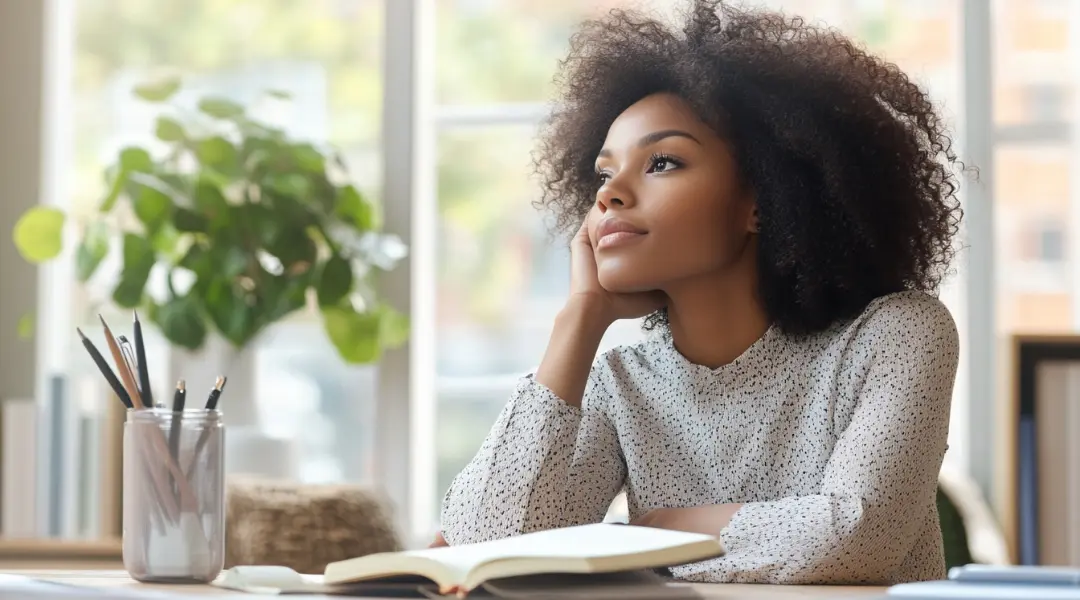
pixel 210 201
pixel 136 160
pixel 115 188
pixel 196 260
pixel 352 206
pixel 189 221
pixel 308 158
pixel 38 234
pixel 229 260
pixel 217 152
pixel 152 206
pixel 229 311
pixel 165 241
pixel 92 250
pixel 138 261
pixel 355 335
pixel 180 321
pixel 335 280
pixel 279 94
pixel 25 327
pixel 293 246
pixel 221 108
pixel 158 91
pixel 394 330
pixel 292 185
pixel 281 295
pixel 169 129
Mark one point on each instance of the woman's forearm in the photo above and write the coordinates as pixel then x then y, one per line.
pixel 571 350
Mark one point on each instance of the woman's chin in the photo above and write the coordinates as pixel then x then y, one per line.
pixel 623 283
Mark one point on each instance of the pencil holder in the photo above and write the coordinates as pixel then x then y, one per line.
pixel 174 495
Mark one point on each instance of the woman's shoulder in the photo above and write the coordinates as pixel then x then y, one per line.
pixel 907 310
pixel 911 320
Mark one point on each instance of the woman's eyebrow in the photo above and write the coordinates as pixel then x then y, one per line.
pixel 652 138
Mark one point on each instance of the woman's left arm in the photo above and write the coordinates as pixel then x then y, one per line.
pixel 880 483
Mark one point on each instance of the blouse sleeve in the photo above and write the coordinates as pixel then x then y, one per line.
pixel 880 483
pixel 544 464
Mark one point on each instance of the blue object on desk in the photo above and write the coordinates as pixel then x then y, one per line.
pixel 956 590
pixel 989 582
pixel 1064 576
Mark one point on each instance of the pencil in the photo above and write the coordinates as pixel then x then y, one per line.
pixel 118 356
pixel 140 355
pixel 106 372
pixel 219 385
pixel 174 428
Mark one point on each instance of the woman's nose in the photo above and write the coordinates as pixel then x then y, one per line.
pixel 613 195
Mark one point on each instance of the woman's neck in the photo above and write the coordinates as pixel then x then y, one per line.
pixel 715 319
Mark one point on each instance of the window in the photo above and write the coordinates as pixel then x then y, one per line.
pixel 1047 102
pixel 500 281
pixel 497 279
pixel 1036 201
pixel 1044 241
pixel 327 55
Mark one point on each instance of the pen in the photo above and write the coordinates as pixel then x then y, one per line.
pixel 140 355
pixel 129 358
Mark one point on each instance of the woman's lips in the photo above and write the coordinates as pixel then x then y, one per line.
pixel 614 231
pixel 618 238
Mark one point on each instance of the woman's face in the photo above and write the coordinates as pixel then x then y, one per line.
pixel 670 206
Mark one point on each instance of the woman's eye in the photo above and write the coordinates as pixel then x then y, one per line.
pixel 662 164
pixel 603 177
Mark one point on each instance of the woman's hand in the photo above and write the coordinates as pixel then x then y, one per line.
pixel 439 542
pixel 585 287
pixel 580 325
pixel 710 519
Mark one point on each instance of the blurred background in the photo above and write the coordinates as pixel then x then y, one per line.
pixel 434 105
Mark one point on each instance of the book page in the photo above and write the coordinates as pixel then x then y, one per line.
pixel 586 541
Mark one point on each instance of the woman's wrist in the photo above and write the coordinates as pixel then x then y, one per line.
pixel 586 316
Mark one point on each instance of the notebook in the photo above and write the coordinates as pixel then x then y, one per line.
pixel 585 549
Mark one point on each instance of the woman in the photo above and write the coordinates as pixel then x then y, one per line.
pixel 779 205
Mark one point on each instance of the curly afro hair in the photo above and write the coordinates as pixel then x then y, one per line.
pixel 850 166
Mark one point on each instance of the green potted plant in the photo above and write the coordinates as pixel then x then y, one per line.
pixel 247 224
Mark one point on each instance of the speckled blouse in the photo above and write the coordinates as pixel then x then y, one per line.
pixel 832 443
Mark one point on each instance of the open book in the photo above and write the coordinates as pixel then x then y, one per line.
pixel 585 549
pixel 599 548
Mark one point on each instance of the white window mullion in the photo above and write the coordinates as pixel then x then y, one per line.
pixel 404 407
pixel 978 149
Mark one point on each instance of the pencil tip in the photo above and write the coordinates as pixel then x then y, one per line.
pixel 102 320
pixel 135 314
pixel 81 334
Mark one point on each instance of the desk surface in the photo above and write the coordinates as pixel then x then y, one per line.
pixel 106 579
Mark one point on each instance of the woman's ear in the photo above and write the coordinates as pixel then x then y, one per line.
pixel 752 224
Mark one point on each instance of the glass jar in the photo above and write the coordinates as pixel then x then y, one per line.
pixel 174 495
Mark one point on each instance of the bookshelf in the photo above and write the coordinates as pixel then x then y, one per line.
pixel 1026 448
